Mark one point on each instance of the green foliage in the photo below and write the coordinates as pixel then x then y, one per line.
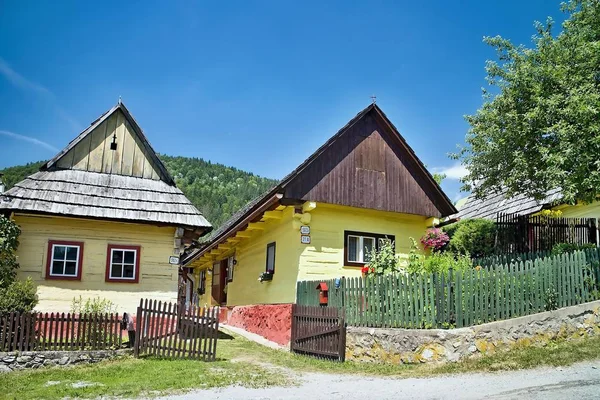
pixel 216 190
pixel 18 296
pixel 96 305
pixel 435 262
pixel 384 260
pixel 561 248
pixel 13 175
pixel 438 178
pixel 415 258
pixel 442 262
pixel 474 237
pixel 550 299
pixel 539 129
pixel 9 240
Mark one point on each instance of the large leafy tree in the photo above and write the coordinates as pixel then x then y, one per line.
pixel 539 126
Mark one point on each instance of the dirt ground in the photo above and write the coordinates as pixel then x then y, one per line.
pixel 580 381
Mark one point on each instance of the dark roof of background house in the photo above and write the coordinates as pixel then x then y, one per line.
pixel 493 204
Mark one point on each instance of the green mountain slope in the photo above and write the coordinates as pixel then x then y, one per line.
pixel 217 190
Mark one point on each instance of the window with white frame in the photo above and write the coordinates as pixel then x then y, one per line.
pixel 359 248
pixel 123 263
pixel 359 245
pixel 64 260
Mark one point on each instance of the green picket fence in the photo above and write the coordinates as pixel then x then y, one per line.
pixel 462 298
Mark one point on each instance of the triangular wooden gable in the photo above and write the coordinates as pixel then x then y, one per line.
pixel 368 164
pixel 91 150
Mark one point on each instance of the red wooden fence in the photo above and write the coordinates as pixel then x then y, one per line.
pixel 59 331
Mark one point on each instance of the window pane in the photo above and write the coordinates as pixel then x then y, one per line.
pixel 57 267
pixel 368 244
pixel 72 253
pixel 129 257
pixel 116 271
pixel 59 253
pixel 70 268
pixel 353 248
pixel 271 258
pixel 128 271
pixel 117 256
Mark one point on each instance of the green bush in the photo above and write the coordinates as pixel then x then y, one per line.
pixel 384 260
pixel 95 305
pixel 436 262
pixel 561 248
pixel 9 241
pixel 474 237
pixel 19 296
pixel 442 262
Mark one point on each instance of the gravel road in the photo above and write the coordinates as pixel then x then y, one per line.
pixel 579 381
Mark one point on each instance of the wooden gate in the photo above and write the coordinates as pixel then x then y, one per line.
pixel 171 330
pixel 319 331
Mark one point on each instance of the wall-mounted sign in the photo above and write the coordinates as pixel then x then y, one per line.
pixel 305 230
pixel 174 260
pixel 305 239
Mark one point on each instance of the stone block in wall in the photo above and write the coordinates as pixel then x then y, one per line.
pixel 33 360
pixel 438 345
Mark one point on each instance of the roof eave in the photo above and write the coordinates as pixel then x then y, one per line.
pixel 269 200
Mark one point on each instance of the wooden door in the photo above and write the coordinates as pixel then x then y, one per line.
pixel 219 279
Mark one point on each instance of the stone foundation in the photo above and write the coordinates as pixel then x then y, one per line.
pixel 271 321
pixel 35 359
pixel 438 345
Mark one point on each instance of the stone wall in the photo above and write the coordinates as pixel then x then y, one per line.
pixel 35 359
pixel 271 321
pixel 439 345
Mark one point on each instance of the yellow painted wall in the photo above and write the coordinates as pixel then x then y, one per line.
pixel 251 262
pixel 581 210
pixel 157 279
pixel 323 258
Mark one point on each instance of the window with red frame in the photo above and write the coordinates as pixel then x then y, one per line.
pixel 64 260
pixel 123 263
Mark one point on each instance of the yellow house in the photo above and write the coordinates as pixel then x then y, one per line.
pixel 103 218
pixel 363 185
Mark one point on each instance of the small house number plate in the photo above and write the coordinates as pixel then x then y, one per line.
pixel 174 260
pixel 305 239
pixel 305 230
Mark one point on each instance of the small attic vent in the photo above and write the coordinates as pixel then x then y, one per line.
pixel 113 145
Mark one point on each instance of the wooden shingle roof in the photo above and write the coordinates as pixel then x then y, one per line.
pixel 88 179
pixel 493 204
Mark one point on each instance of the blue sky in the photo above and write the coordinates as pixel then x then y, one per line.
pixel 255 85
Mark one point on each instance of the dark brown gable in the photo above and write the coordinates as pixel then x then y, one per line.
pixel 369 165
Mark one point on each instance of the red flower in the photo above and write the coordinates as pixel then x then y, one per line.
pixel 365 270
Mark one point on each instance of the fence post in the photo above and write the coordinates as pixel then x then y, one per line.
pixel 138 330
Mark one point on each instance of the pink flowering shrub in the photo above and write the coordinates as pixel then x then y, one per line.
pixel 434 239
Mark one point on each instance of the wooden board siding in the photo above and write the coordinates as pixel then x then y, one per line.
pixel 93 152
pixel 366 167
pixel 323 258
pixel 157 278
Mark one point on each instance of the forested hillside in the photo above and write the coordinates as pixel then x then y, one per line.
pixel 218 191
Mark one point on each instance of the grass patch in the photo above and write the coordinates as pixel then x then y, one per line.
pixel 246 363
pixel 134 377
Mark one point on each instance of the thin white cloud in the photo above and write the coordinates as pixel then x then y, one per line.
pixel 456 171
pixel 23 83
pixel 29 139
